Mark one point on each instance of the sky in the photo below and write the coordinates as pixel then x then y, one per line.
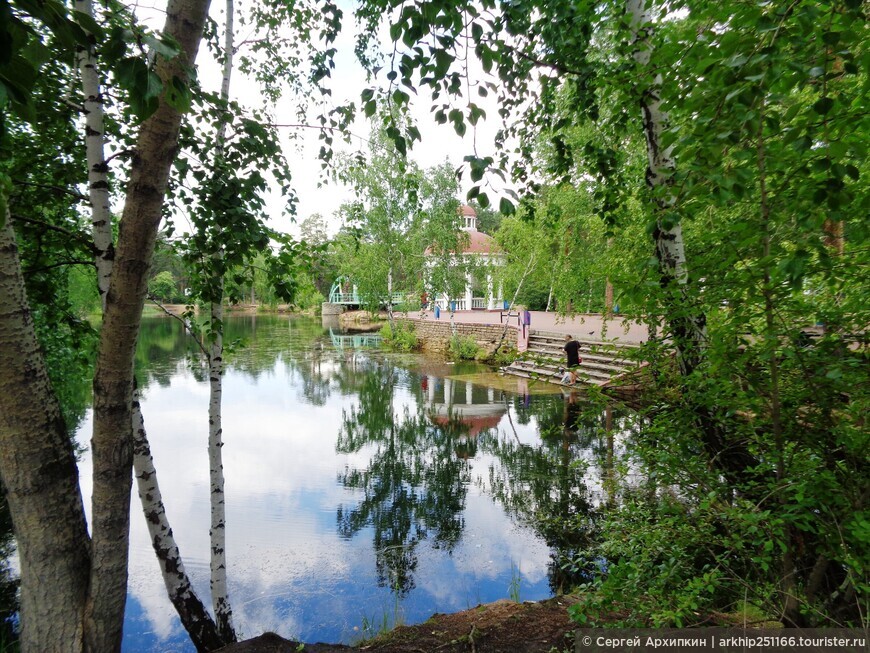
pixel 439 142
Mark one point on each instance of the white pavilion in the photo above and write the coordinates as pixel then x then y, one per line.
pixel 479 289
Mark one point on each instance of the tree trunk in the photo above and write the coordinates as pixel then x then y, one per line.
pixel 217 533
pixel 390 298
pixel 528 269
pixel 39 472
pixel 195 619
pixel 111 444
pixel 687 323
pixel 688 326
pixel 608 298
pixel 98 177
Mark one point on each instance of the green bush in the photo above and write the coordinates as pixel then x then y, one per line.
pixel 163 287
pixel 400 338
pixel 464 348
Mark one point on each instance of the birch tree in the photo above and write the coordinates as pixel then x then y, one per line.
pixel 88 615
pixel 194 617
pixel 217 531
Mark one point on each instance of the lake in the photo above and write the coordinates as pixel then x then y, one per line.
pixel 364 488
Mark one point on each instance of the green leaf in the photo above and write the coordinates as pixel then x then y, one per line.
pixel 178 95
pixel 506 207
pixel 88 23
pixel 823 105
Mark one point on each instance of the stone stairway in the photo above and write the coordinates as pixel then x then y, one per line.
pixel 599 361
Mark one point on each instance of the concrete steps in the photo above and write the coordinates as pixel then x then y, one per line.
pixel 600 361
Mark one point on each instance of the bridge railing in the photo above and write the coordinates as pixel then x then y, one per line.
pixel 354 298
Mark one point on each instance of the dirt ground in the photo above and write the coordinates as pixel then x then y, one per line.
pixel 500 627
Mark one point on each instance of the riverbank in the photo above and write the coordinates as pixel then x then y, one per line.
pixel 500 627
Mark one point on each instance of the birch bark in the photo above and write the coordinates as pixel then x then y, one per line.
pixel 219 589
pixel 112 441
pixel 688 326
pixel 196 621
pixel 40 475
pixel 98 177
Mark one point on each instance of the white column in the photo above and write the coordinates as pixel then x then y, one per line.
pixel 490 300
pixel 468 388
pixel 469 286
pixel 431 392
pixel 490 395
pixel 448 392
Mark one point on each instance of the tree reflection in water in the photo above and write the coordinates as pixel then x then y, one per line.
pixel 415 484
pixel 562 486
pixel 548 460
pixel 414 487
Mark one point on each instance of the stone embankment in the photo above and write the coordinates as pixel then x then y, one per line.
pixel 435 335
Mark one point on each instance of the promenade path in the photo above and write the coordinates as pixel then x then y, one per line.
pixel 589 326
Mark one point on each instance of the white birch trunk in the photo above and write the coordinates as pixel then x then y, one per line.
pixel 689 331
pixel 112 439
pixel 390 295
pixel 196 620
pixel 528 269
pixel 217 533
pixel 98 177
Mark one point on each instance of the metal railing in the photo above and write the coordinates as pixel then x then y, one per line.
pixel 354 298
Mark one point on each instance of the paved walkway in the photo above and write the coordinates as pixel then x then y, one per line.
pixel 582 326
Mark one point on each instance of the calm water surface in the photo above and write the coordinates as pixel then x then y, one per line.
pixel 363 487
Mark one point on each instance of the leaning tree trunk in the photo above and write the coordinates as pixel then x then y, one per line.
pixel 111 444
pixel 196 620
pixel 529 266
pixel 191 611
pixel 39 472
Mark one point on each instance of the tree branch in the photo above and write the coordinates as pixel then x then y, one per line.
pixel 51 227
pixel 59 189
pixel 184 322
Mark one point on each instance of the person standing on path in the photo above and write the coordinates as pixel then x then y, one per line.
pixel 572 349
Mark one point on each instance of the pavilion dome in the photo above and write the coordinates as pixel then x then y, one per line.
pixel 478 242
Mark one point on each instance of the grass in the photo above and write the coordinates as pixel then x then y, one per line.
pixel 516 581
pixel 377 625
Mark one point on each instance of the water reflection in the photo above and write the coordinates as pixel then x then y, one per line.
pixel 358 480
pixel 413 487
pixel 560 485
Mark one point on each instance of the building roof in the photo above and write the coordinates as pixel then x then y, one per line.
pixel 475 424
pixel 478 242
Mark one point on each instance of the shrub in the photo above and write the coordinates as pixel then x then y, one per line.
pixel 401 337
pixel 464 348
